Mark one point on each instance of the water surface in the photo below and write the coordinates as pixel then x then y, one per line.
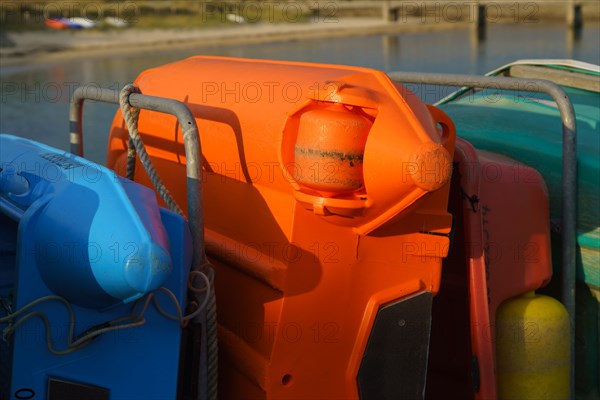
pixel 34 99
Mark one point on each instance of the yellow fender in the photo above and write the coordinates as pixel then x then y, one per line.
pixel 532 351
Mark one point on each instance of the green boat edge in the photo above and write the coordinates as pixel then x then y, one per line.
pixel 526 126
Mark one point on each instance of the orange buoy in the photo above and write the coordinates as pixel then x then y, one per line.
pixel 329 150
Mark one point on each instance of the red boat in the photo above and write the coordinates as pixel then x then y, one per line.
pixel 56 23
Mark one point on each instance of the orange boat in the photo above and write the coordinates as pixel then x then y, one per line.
pixel 327 219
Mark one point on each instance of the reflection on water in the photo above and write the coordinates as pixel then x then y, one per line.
pixel 34 99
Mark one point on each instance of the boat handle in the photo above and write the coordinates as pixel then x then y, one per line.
pixel 191 140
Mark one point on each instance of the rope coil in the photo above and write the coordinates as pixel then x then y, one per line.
pixel 134 319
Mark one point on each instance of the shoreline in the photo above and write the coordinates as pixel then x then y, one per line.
pixel 52 46
pixel 37 47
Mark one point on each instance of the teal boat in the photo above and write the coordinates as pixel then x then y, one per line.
pixel 526 126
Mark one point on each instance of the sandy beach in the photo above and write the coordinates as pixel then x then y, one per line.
pixel 22 48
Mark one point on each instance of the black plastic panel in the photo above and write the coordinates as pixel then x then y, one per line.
pixel 63 390
pixel 394 364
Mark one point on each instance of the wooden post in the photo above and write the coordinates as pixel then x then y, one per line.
pixel 478 23
pixel 574 15
pixel 570 15
pixel 385 10
pixel 578 17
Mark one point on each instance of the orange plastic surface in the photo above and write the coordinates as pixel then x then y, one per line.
pixel 302 269
pixel 507 242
